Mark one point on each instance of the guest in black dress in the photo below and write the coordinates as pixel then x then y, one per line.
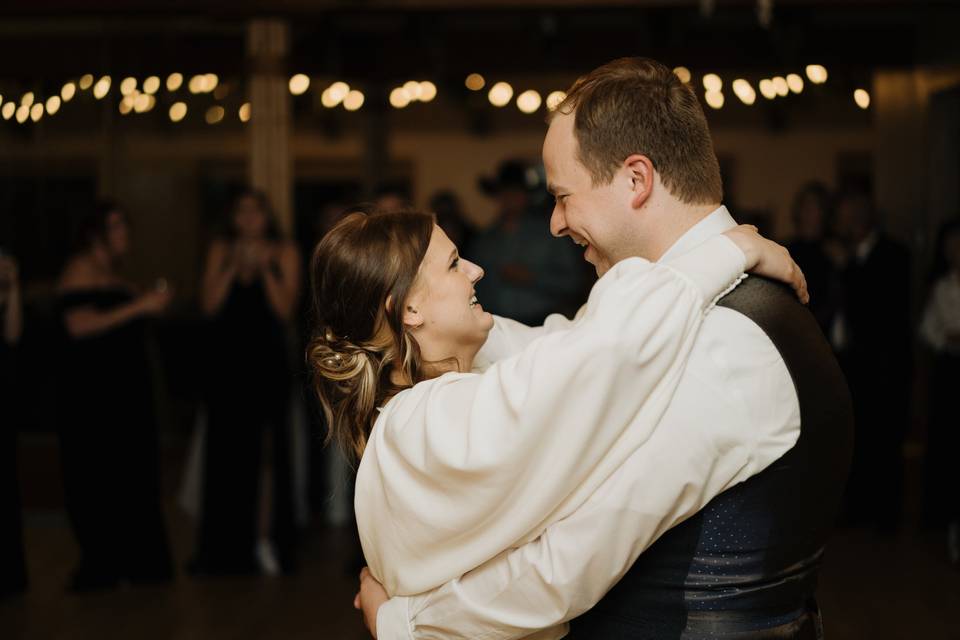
pixel 250 291
pixel 13 573
pixel 109 446
pixel 812 216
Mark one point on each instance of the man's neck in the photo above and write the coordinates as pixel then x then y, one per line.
pixel 677 220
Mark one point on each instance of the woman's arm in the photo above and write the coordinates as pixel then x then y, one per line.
pixel 283 289
pixel 87 321
pixel 218 275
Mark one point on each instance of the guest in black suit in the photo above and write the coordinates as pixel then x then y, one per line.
pixel 872 335
pixel 812 215
pixel 13 574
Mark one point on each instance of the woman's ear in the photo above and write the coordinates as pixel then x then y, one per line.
pixel 411 317
pixel 640 172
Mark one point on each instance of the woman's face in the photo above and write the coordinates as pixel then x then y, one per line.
pixel 442 311
pixel 117 234
pixel 249 220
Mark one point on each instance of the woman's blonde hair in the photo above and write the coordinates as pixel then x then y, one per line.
pixel 362 272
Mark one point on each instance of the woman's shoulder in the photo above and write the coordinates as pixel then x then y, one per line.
pixel 407 404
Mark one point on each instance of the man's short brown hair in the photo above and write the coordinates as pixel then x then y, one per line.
pixel 637 105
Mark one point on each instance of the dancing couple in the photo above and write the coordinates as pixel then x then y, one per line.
pixel 668 464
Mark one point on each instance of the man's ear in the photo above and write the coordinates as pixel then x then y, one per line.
pixel 640 172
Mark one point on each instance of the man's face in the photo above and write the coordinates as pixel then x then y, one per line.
pixel 592 216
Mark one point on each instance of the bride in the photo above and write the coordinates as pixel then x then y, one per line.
pixel 459 461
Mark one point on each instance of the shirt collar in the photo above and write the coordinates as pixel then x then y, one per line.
pixel 717 222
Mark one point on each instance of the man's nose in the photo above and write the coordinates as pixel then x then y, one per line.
pixel 558 224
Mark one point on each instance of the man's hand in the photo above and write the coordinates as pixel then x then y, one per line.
pixel 369 599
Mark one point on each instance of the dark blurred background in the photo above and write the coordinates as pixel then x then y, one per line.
pixel 163 473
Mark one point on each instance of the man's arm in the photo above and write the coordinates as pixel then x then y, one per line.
pixel 734 412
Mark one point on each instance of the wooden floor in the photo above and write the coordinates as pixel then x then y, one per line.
pixel 872 588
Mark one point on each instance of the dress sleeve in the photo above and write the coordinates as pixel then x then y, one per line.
pixel 461 467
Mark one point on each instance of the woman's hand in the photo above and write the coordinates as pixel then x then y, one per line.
pixel 767 258
pixel 154 301
pixel 369 599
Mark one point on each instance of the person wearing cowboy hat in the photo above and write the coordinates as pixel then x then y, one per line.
pixel 528 275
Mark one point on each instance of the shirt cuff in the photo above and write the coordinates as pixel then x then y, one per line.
pixel 393 620
pixel 715 267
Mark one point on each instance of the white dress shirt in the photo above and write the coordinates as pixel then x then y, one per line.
pixel 734 411
pixel 463 466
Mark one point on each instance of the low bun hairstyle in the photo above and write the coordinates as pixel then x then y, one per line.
pixel 359 341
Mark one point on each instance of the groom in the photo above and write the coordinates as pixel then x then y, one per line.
pixel 631 164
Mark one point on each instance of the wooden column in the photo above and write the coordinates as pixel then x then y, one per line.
pixel 270 168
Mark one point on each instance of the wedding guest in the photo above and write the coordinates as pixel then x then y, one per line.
pixel 940 330
pixel 872 335
pixel 529 274
pixel 250 291
pixel 13 573
pixel 109 445
pixel 812 215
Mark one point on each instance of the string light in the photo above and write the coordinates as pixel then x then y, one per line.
pixel 210 82
pixel 412 87
pixel 27 99
pixel 743 90
pixel 339 91
pixel 767 90
pixel 299 84
pixel 399 98
pixel 151 85
pixel 68 91
pixel 174 81
pixel 177 111
pixel 23 112
pixel 780 86
pixel 715 99
pixel 86 81
pixel 196 84
pixel 554 99
pixel 36 112
pixel 683 73
pixel 712 83
pixel 214 114
pixel 102 87
pixel 353 100
pixel 475 82
pixel 862 98
pixel 428 91
pixel 8 110
pixel 500 94
pixel 128 86
pixel 327 99
pixel 817 73
pixel 795 82
pixel 126 105
pixel 244 112
pixel 529 101
pixel 53 104
pixel 143 102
